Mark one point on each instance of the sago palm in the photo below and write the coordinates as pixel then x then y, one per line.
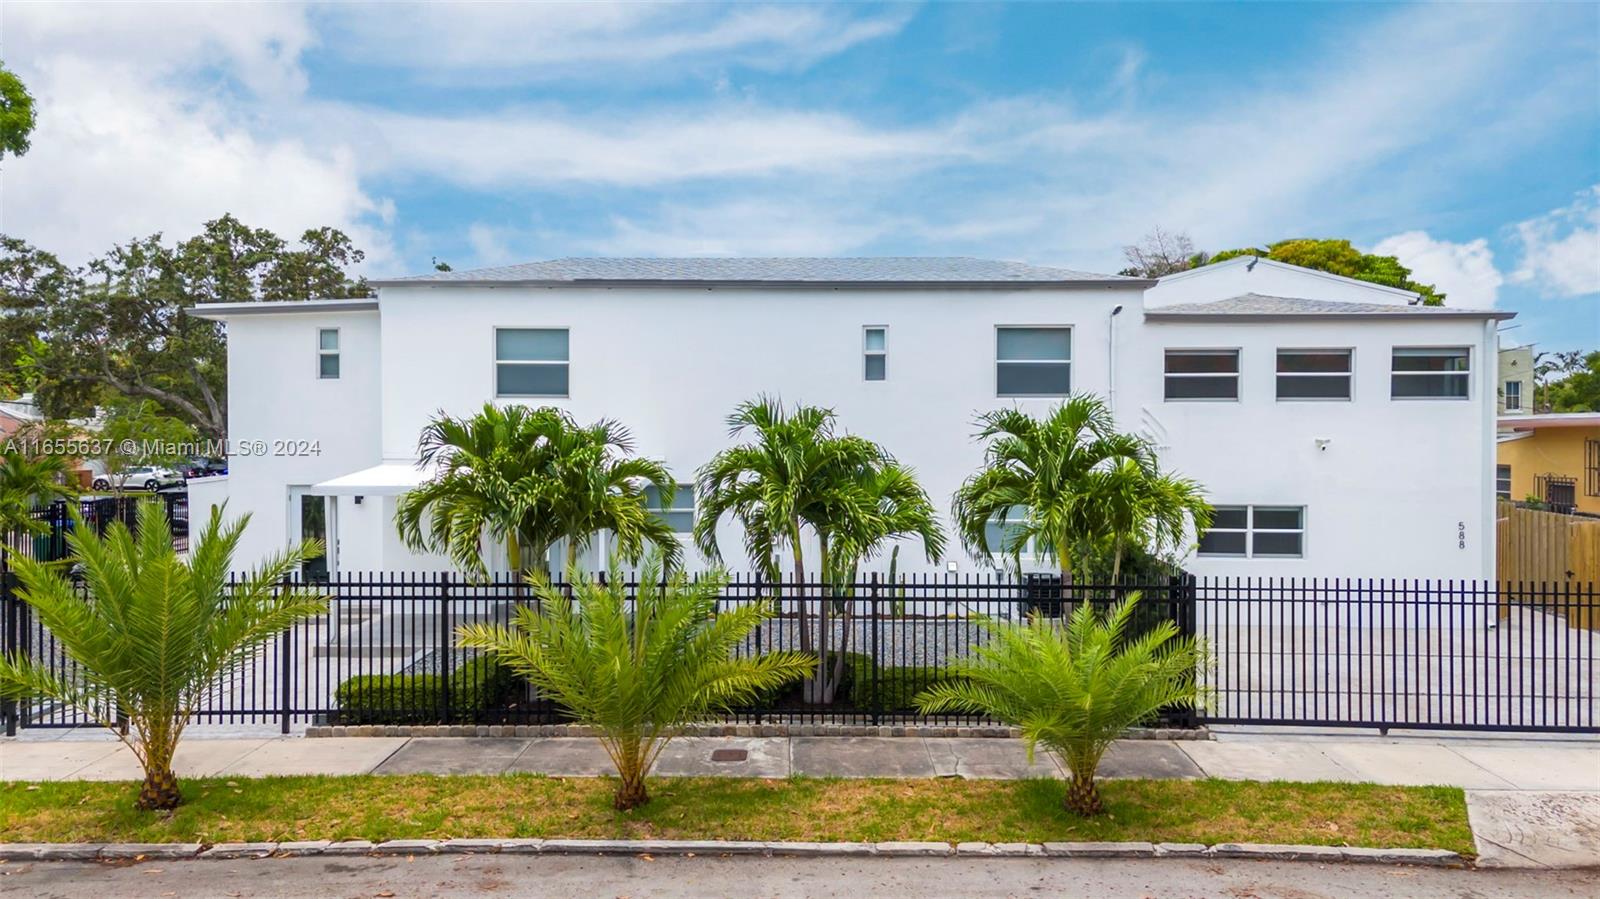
pixel 156 631
pixel 25 484
pixel 637 670
pixel 1073 686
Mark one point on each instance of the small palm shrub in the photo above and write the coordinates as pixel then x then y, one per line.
pixel 1073 686
pixel 639 669
pixel 155 631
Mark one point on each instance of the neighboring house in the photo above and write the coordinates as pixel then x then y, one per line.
pixel 22 416
pixel 1338 429
pixel 1555 458
pixel 1516 380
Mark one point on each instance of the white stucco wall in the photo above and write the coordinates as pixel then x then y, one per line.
pixel 1264 276
pixel 1385 498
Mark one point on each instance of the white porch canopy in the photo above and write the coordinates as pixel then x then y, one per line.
pixel 385 479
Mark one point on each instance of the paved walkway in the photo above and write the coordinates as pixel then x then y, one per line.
pixel 1531 803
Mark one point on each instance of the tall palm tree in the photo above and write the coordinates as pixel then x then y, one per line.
pixel 1143 506
pixel 530 478
pixel 800 475
pixel 156 631
pixel 1036 482
pixel 598 485
pixel 638 669
pixel 1074 687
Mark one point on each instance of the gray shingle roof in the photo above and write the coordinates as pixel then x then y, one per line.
pixel 1259 306
pixel 872 270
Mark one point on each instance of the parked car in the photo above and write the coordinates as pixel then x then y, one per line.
pixel 204 468
pixel 140 477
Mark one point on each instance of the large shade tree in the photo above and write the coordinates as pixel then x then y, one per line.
pixel 528 479
pixel 119 325
pixel 801 479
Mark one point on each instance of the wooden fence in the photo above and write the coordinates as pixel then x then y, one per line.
pixel 1535 547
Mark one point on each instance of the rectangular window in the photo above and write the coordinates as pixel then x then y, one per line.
pixel 1430 373
pixel 1513 396
pixel 1591 467
pixel 328 353
pixel 1502 481
pixel 530 361
pixel 1314 374
pixel 1202 375
pixel 999 535
pixel 875 353
pixel 1255 532
pixel 1033 361
pixel 680 515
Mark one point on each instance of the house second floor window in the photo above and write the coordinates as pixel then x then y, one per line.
pixel 1502 481
pixel 1255 532
pixel 1430 373
pixel 530 362
pixel 1513 396
pixel 1202 375
pixel 875 353
pixel 328 353
pixel 1314 374
pixel 1033 361
pixel 680 515
pixel 1003 535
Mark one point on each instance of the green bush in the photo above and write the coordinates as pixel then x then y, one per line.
pixel 477 685
pixel 896 688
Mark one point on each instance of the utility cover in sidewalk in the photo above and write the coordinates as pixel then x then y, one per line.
pixel 729 755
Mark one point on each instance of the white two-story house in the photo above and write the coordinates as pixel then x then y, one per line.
pixel 1339 429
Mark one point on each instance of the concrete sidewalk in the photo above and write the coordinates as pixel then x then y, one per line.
pixel 1531 803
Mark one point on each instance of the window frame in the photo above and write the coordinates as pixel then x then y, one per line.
pixel 1237 375
pixel 664 514
pixel 1508 480
pixel 337 353
pixel 867 352
pixel 1506 392
pixel 1349 375
pixel 1250 530
pixel 1071 346
pixel 1465 374
pixel 495 362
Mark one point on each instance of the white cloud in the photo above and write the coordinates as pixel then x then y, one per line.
pixel 743 227
pixel 1561 249
pixel 1464 272
pixel 511 42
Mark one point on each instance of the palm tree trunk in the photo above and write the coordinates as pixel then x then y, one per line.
pixel 816 688
pixel 514 555
pixel 572 555
pixel 631 792
pixel 1082 796
pixel 1116 561
pixel 160 791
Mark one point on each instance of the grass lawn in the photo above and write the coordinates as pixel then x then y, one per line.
pixel 527 805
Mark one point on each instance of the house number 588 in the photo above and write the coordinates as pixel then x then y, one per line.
pixel 1461 534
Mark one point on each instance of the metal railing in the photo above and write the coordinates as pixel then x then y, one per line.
pixel 1467 655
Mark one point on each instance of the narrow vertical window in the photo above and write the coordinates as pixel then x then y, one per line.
pixel 875 353
pixel 1502 481
pixel 1513 396
pixel 328 353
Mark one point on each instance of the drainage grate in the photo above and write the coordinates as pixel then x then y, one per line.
pixel 729 755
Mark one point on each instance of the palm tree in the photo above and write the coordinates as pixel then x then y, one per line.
pixel 637 670
pixel 25 484
pixel 1035 482
pixel 530 478
pixel 800 474
pixel 597 485
pixel 1143 506
pixel 156 632
pixel 1075 687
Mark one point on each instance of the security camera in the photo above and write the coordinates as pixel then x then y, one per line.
pixel 1322 443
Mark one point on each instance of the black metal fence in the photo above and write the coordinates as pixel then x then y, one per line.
pixel 48 541
pixel 1466 655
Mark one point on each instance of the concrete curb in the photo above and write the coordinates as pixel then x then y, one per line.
pixel 721 730
pixel 233 851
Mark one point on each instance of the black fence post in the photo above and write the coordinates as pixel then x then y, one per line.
pixel 1183 595
pixel 777 615
pixel 447 653
pixel 877 647
pixel 286 670
pixel 8 604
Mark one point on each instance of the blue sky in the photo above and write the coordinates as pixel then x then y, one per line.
pixel 1463 138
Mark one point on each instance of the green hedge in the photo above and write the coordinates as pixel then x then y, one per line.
pixel 897 688
pixel 479 684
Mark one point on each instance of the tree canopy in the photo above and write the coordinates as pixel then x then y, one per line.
pixel 1338 257
pixel 16 114
pixel 1579 391
pixel 118 326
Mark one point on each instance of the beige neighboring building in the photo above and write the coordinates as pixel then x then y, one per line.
pixel 1516 380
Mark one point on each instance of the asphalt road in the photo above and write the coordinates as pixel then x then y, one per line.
pixel 532 875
